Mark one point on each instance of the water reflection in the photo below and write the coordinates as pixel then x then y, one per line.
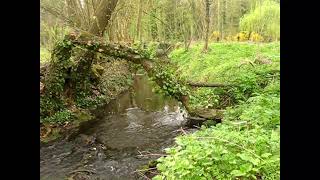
pixel 138 120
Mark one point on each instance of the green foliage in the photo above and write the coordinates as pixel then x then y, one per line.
pixel 207 98
pixel 52 34
pixel 60 64
pixel 51 101
pixel 59 117
pixel 264 19
pixel 45 55
pixel 247 144
pixel 227 63
pixel 223 152
pixel 152 47
pixel 49 105
pixel 84 100
pixel 169 82
pixel 262 110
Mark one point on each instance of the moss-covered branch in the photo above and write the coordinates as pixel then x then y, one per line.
pixel 167 82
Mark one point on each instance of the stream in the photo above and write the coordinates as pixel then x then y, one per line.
pixel 126 134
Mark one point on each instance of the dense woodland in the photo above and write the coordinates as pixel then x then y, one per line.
pixel 219 58
pixel 164 20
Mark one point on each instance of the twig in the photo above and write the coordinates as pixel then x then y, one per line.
pixel 82 170
pixel 183 131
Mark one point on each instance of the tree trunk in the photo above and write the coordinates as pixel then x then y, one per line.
pixel 139 20
pixel 205 49
pixel 96 44
pixel 82 72
pixel 130 54
pixel 103 17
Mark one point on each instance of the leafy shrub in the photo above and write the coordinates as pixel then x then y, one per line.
pixel 262 110
pixel 223 65
pixel 215 36
pixel 265 20
pixel 59 117
pixel 45 55
pixel 256 37
pixel 223 152
pixel 204 98
pixel 169 87
pixel 247 144
pixel 242 36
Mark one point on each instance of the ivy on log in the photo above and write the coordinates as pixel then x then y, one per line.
pixel 165 81
pixel 170 84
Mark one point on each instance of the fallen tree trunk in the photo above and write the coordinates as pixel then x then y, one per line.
pixel 96 44
pixel 168 82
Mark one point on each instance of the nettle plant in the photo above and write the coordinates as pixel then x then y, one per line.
pixel 223 152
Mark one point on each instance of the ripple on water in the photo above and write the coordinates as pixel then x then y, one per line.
pixel 138 121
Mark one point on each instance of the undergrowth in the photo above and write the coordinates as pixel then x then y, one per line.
pixel 45 55
pixel 108 77
pixel 246 145
pixel 228 63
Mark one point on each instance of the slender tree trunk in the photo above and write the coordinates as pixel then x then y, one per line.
pixel 219 19
pixel 207 26
pixel 85 59
pixel 153 23
pixel 139 20
pixel 73 12
pixel 103 17
pixel 223 19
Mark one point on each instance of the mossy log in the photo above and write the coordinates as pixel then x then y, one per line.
pixel 96 44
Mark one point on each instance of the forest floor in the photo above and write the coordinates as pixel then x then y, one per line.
pixel 247 142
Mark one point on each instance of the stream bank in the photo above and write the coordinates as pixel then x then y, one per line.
pixel 115 79
pixel 126 134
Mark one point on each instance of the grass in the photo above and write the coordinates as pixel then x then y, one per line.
pixel 220 64
pixel 247 144
pixel 228 63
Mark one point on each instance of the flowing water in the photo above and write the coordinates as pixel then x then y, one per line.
pixel 127 133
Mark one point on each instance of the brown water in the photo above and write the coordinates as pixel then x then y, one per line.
pixel 110 147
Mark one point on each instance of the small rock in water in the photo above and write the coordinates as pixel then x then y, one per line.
pixel 100 155
pixel 103 147
pixel 112 168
